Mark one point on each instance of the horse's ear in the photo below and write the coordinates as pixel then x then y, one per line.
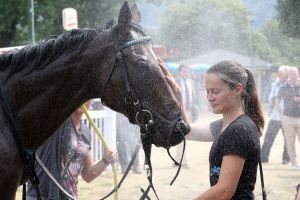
pixel 124 19
pixel 136 15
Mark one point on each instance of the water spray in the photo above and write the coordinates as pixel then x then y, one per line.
pixel 113 166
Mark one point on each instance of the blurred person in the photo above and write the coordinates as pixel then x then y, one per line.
pixel 290 93
pixel 274 124
pixel 187 87
pixel 235 152
pixel 128 136
pixel 187 99
pixel 67 154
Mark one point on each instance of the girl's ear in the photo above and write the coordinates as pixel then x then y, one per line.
pixel 239 87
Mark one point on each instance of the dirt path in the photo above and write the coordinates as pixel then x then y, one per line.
pixel 280 180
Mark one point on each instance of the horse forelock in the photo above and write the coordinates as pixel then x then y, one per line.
pixel 137 28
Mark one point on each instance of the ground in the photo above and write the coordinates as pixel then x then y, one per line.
pixel 280 180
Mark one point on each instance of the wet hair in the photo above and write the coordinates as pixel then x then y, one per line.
pixel 233 73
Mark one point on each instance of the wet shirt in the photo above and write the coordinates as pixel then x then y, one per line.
pixel 287 92
pixel 240 138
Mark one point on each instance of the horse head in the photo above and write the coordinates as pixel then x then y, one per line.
pixel 136 86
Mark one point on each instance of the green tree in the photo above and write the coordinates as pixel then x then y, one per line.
pixel 202 25
pixel 279 48
pixel 263 49
pixel 288 15
pixel 11 17
pixel 48 17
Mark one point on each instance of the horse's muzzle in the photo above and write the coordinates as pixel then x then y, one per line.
pixel 179 131
pixel 182 127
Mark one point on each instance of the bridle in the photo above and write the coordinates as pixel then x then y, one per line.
pixel 139 114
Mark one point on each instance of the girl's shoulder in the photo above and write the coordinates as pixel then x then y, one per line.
pixel 243 125
pixel 216 127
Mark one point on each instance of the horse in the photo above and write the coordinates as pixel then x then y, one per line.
pixel 43 83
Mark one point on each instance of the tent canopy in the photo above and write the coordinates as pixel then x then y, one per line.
pixel 201 68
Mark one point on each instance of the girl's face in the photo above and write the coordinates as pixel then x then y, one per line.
pixel 220 96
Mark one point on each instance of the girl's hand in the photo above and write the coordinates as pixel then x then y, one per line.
pixel 170 79
pixel 110 156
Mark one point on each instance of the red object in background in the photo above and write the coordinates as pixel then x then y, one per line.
pixel 164 52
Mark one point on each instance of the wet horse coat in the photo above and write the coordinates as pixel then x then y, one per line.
pixel 44 83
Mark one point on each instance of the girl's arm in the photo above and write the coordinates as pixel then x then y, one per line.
pixel 92 169
pixel 200 131
pixel 231 170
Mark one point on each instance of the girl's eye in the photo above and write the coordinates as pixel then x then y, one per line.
pixel 212 91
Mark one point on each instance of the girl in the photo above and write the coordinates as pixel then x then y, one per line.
pixel 235 152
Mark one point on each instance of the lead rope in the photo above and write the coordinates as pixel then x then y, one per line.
pixel 176 163
pixel 264 193
pixel 52 177
pixel 148 166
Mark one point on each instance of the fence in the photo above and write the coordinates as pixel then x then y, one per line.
pixel 105 120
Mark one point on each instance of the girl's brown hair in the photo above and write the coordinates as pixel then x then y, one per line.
pixel 232 73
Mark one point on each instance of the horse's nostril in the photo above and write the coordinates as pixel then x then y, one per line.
pixel 183 127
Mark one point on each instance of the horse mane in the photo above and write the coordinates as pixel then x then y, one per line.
pixel 48 49
pixel 42 53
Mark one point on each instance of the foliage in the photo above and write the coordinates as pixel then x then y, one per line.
pixel 48 17
pixel 279 48
pixel 11 18
pixel 263 49
pixel 202 25
pixel 288 14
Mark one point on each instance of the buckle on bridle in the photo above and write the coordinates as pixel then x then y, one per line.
pixel 139 118
pixel 119 54
pixel 130 100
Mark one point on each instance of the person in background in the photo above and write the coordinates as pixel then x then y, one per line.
pixel 186 84
pixel 187 96
pixel 67 155
pixel 128 136
pixel 274 124
pixel 235 152
pixel 290 114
